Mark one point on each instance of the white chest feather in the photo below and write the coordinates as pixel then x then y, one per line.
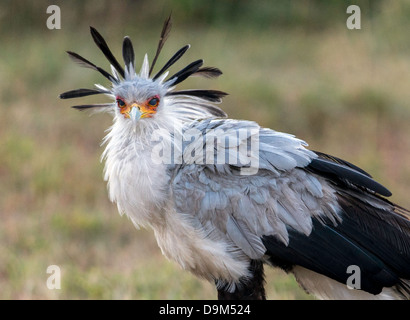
pixel 141 190
pixel 138 186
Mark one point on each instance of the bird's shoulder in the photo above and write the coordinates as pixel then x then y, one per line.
pixel 242 143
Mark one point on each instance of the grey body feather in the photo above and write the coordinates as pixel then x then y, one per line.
pixel 243 208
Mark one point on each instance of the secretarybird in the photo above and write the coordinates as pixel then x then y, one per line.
pixel 224 197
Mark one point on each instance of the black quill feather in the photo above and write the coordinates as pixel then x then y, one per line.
pixel 208 72
pixel 128 53
pixel 92 106
pixel 171 61
pixel 342 172
pixel 87 64
pixel 81 93
pixel 164 36
pixel 341 161
pixel 186 72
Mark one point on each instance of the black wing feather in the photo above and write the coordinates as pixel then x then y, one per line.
pixel 341 161
pixel 381 230
pixel 327 251
pixel 341 172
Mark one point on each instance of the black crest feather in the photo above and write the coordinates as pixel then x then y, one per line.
pixel 77 93
pixel 100 42
pixel 92 106
pixel 164 36
pixel 87 64
pixel 208 72
pixel 210 95
pixel 186 72
pixel 171 61
pixel 128 53
pixel 193 69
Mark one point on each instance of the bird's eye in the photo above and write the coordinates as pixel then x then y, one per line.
pixel 120 102
pixel 153 102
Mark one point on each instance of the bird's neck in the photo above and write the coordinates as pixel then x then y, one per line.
pixel 136 182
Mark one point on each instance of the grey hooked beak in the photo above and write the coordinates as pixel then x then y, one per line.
pixel 135 113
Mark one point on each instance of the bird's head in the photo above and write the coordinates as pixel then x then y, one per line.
pixel 138 97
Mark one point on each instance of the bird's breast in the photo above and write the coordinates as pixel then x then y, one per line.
pixel 138 186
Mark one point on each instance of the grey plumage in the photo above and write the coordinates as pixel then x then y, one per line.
pixel 226 196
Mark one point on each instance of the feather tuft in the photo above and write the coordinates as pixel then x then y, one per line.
pixel 77 93
pixel 87 64
pixel 102 45
pixel 171 61
pixel 186 72
pixel 208 72
pixel 164 36
pixel 128 55
pixel 92 106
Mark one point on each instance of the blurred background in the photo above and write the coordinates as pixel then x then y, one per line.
pixel 292 66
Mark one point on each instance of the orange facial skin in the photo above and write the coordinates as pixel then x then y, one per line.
pixel 147 109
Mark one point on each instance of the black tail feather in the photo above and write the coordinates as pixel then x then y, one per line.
pixel 210 95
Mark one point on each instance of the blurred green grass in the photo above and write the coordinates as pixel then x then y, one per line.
pixel 292 66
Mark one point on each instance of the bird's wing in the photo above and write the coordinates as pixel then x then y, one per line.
pixel 227 201
pixel 300 208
